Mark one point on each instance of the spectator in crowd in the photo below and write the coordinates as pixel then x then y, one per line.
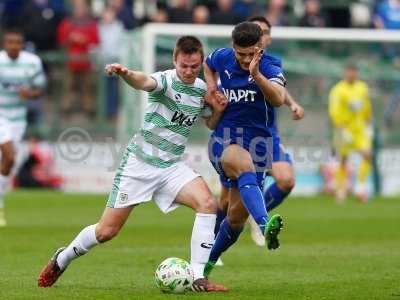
pixel 224 13
pixel 144 10
pixel 312 15
pixel 79 34
pixel 201 15
pixel 276 14
pixel 160 16
pixel 111 34
pixel 41 18
pixel 179 12
pixel 246 8
pixel 388 17
pixel 124 13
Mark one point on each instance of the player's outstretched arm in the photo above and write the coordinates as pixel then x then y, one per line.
pixel 271 91
pixel 136 79
pixel 296 108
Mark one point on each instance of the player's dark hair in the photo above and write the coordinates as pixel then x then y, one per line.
pixel 261 19
pixel 246 34
pixel 188 45
pixel 13 30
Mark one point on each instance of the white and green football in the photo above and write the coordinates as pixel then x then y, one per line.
pixel 174 275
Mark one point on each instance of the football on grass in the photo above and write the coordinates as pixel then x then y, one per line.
pixel 174 275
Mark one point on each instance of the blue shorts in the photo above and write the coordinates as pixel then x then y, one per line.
pixel 268 152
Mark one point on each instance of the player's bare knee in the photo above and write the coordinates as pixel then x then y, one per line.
pixel 207 206
pixel 236 167
pixel 286 183
pixel 236 160
pixel 106 233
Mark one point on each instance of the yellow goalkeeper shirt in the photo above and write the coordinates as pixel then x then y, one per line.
pixel 349 106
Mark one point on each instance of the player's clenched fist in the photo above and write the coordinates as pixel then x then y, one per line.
pixel 116 69
pixel 216 100
pixel 297 111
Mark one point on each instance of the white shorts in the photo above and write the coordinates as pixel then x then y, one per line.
pixel 137 182
pixel 11 131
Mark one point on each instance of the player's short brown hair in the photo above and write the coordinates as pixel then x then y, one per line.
pixel 188 44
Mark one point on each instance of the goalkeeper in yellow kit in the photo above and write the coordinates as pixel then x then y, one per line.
pixel 351 114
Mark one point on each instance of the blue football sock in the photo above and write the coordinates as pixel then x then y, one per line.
pixel 220 217
pixel 253 198
pixel 274 196
pixel 226 237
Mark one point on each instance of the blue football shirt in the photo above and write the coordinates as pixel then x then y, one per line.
pixel 247 108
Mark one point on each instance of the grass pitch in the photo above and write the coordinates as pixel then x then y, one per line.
pixel 328 251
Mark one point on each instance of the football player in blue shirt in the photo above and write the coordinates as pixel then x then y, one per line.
pixel 245 141
pixel 281 170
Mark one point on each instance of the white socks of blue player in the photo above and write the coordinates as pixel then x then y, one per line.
pixel 4 180
pixel 202 242
pixel 83 242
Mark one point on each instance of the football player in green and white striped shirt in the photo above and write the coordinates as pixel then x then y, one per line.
pixel 21 78
pixel 152 166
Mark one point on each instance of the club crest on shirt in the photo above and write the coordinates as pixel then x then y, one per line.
pixel 178 97
pixel 123 198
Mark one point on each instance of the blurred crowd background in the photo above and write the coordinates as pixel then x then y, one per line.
pixel 76 38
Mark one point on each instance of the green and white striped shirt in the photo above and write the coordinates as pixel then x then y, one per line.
pixel 25 71
pixel 172 110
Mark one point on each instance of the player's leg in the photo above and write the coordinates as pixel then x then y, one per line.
pixel 221 213
pixel 6 165
pixel 232 226
pixel 222 207
pixel 276 193
pixel 363 173
pixel 107 228
pixel 230 229
pixel 196 195
pixel 363 144
pixel 343 140
pixel 134 183
pixel 238 165
pixel 341 179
